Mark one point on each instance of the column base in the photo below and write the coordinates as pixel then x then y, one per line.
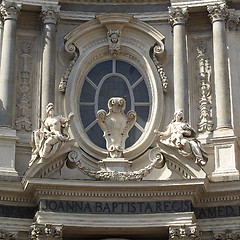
pixel 226 154
pixel 8 140
pixel 115 164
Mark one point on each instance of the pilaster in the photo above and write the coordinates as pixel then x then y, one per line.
pixel 178 18
pixel 50 18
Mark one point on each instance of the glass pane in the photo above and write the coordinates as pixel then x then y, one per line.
pixel 142 115
pixel 134 135
pixel 96 136
pixel 87 115
pixel 141 92
pixel 99 71
pixel 127 70
pixel 113 86
pixel 88 92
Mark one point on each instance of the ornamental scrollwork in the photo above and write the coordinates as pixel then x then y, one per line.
pixel 158 55
pixel 205 103
pixel 64 80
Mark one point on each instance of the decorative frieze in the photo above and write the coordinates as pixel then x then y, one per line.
pixel 184 232
pixel 5 235
pixel 50 14
pixel 24 99
pixel 204 75
pixel 10 10
pixel 226 235
pixel 44 232
pixel 218 12
pixel 178 15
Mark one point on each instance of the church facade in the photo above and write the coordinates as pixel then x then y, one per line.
pixel 119 119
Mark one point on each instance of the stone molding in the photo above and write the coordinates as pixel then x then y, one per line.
pixel 10 10
pixel 178 15
pixel 217 12
pixel 50 14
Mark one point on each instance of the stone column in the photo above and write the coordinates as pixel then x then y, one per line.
pixel 50 17
pixel 218 14
pixel 184 232
pixel 9 11
pixel 1 36
pixel 45 232
pixel 178 18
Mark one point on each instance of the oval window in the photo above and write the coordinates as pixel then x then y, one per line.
pixel 114 78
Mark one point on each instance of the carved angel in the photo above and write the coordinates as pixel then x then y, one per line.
pixel 116 125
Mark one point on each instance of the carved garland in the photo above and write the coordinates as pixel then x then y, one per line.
pixel 205 104
pixel 24 104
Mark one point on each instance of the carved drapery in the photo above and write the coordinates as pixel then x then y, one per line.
pixel 204 75
pixel 9 11
pixel 184 232
pixel 178 18
pixel 24 99
pixel 45 232
pixel 5 235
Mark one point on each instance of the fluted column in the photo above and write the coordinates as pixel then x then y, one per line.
pixel 178 18
pixel 9 11
pixel 218 14
pixel 50 17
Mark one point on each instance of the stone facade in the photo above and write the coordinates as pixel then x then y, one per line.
pixel 119 119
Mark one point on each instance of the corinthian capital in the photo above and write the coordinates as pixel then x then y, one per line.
pixel 10 10
pixel 218 12
pixel 4 234
pixel 50 14
pixel 178 15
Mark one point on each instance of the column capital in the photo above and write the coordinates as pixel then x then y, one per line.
pixel 46 231
pixel 178 15
pixel 184 232
pixel 50 14
pixel 4 234
pixel 217 12
pixel 10 10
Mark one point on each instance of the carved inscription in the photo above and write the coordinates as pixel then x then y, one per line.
pixel 115 207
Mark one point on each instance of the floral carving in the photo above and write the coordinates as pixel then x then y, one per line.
pixel 50 14
pixel 46 231
pixel 10 10
pixel 184 232
pixel 24 105
pixel 218 12
pixel 205 103
pixel 178 15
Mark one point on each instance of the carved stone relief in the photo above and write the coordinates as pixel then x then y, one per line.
pixel 158 56
pixel 114 41
pixel 52 135
pixel 24 87
pixel 226 235
pixel 184 232
pixel 204 70
pixel 47 231
pixel 5 235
